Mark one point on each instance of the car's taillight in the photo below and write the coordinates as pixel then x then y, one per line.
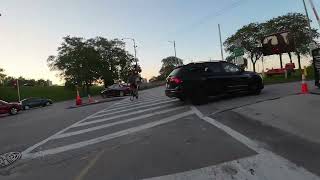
pixel 175 80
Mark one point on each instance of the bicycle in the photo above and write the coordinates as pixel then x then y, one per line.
pixel 134 93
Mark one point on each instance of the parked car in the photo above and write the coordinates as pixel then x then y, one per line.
pixel 35 102
pixel 116 90
pixel 11 108
pixel 197 81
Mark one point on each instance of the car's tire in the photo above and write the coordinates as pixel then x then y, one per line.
pixel 121 93
pixel 48 103
pixel 254 89
pixel 199 97
pixel 183 99
pixel 26 107
pixel 13 111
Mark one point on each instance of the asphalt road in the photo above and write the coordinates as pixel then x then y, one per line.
pixel 153 137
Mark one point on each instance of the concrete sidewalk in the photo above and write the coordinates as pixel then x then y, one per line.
pixel 297 114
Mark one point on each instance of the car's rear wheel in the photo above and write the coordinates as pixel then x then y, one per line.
pixel 182 98
pixel 199 97
pixel 13 111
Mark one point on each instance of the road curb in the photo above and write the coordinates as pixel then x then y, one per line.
pixel 97 102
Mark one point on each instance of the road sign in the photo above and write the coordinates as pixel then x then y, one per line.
pixel 316 65
pixel 278 43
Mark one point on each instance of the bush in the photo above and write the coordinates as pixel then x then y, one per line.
pixel 56 93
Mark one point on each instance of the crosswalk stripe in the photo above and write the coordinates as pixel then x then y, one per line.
pixel 119 116
pixel 124 109
pixel 115 123
pixel 106 137
pixel 123 104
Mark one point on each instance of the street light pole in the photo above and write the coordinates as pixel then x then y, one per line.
pixel 220 42
pixel 135 49
pixel 174 47
pixel 307 14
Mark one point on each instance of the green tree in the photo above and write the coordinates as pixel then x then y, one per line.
pixel 248 37
pixel 77 61
pixel 168 64
pixel 41 82
pixel 297 25
pixel 2 76
pixel 115 62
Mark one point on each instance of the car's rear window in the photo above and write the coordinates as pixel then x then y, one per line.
pixel 175 72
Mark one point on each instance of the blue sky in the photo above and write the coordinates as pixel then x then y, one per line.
pixel 31 30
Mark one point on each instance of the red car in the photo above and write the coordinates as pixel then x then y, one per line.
pixel 116 90
pixel 11 108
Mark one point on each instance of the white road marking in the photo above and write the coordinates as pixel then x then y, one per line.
pixel 49 138
pixel 119 116
pixel 125 109
pixel 106 137
pixel 28 150
pixel 115 123
pixel 238 136
pixel 130 103
pixel 266 166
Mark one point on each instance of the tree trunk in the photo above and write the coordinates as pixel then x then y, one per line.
pixel 87 88
pixel 280 55
pixel 253 64
pixel 289 53
pixel 299 60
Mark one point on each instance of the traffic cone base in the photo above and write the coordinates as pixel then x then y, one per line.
pixel 304 88
pixel 78 99
pixel 304 85
pixel 90 99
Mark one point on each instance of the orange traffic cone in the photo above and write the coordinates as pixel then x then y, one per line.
pixel 304 85
pixel 90 99
pixel 78 99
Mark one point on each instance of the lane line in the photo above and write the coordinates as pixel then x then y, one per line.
pixel 31 148
pixel 257 167
pixel 130 103
pixel 134 105
pixel 106 137
pixel 125 109
pixel 238 136
pixel 86 169
pixel 119 116
pixel 260 150
pixel 115 123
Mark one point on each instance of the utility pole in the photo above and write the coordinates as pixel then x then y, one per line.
pixel 18 88
pixel 135 49
pixel 307 14
pixel 174 47
pixel 220 42
pixel 315 11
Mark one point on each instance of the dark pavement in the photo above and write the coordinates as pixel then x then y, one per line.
pixel 153 137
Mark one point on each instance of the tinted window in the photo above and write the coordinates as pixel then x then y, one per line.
pixel 231 68
pixel 175 72
pixel 214 68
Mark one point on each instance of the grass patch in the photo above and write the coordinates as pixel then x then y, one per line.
pixel 56 93
pixel 296 76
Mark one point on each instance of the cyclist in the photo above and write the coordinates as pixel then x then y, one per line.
pixel 133 80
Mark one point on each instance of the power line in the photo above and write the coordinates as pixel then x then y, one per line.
pixel 220 12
